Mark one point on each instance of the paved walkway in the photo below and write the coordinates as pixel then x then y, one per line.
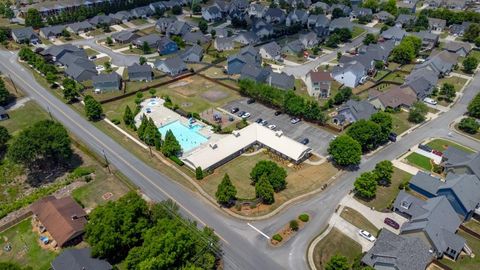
pixel 405 167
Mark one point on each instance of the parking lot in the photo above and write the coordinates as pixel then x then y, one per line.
pixel 319 138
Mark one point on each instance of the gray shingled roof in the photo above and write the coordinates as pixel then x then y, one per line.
pixel 24 33
pixel 52 30
pixel 426 182
pixel 359 109
pixel 79 259
pixel 281 80
pixel 80 26
pixel 471 161
pixel 106 78
pixel 466 188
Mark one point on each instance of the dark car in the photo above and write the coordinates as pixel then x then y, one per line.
pixel 392 137
pixel 234 110
pixel 240 114
pixel 392 223
pixel 259 120
pixel 438 153
pixel 277 113
pixel 425 147
pixel 305 141
pixel 250 101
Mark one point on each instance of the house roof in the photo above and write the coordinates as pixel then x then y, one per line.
pixel 195 49
pixel 455 158
pixel 405 18
pixel 342 22
pixel 56 50
pixel 426 182
pixel 359 109
pixel 395 33
pixel 437 22
pixel 173 63
pixel 124 35
pixel 152 40
pixel 80 26
pixel 179 28
pixel 52 30
pixel 466 188
pixel 272 48
pixel 255 73
pixel 441 62
pixel 194 37
pixel 357 68
pixel 137 68
pixel 398 96
pixel 63 218
pixel 383 15
pixel 281 80
pixel 23 33
pixel 79 259
pixel 454 46
pixel 320 76
pixel 274 13
pixel 107 78
pixel 294 45
pixel 101 19
pixel 399 252
pixel 223 43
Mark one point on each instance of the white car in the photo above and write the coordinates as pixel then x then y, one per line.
pixel 272 127
pixel 246 115
pixel 100 68
pixel 430 101
pixel 366 235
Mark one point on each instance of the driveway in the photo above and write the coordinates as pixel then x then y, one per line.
pixel 351 231
pixel 319 138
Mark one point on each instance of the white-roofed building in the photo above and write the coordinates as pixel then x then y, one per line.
pixel 219 152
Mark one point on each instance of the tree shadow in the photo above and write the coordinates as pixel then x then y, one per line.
pixel 45 171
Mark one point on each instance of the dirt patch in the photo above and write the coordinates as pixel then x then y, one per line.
pixel 214 95
pixel 185 92
pixel 183 82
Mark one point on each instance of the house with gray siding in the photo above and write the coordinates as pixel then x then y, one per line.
pixel 107 82
pixel 138 72
pixel 173 66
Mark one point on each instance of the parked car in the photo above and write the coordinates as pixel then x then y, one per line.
pixel 392 223
pixel 366 235
pixel 264 123
pixel 295 120
pixel 148 110
pixel 259 120
pixel 246 115
pixel 277 113
pixel 92 57
pixel 425 147
pixel 234 110
pixel 100 68
pixel 392 137
pixel 240 114
pixel 230 118
pixel 272 127
pixel 438 153
pixel 250 101
pixel 305 141
pixel 430 101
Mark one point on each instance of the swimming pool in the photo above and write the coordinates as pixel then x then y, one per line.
pixel 188 137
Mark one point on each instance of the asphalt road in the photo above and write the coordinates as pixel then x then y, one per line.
pixel 243 247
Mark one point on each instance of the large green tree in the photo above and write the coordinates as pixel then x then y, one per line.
pixel 70 90
pixel 4 137
pixel 93 108
pixel 403 53
pixel 337 262
pixel 367 133
pixel 469 125
pixel 366 185
pixel 128 117
pixel 264 190
pixel 226 191
pixel 33 18
pixel 384 172
pixel 418 112
pixel 5 96
pixel 470 64
pixel 473 108
pixel 272 171
pixel 472 32
pixel 171 147
pixel 385 121
pixel 345 151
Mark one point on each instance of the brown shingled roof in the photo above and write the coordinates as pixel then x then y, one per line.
pixel 398 96
pixel 320 76
pixel 63 218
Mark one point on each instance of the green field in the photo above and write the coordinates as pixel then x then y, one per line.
pixel 335 243
pixel 419 161
pixel 26 249
pixel 358 220
pixel 442 145
pixel 24 117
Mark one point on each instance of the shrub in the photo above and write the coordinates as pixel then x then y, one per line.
pixel 294 225
pixel 469 125
pixel 116 121
pixel 199 173
pixel 304 217
pixel 277 237
pixel 404 185
pixel 81 171
pixel 176 160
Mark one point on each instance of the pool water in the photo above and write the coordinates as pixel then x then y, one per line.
pixel 188 137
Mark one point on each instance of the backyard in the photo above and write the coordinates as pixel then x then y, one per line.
pixel 442 145
pixel 456 81
pixel 400 122
pixel 420 161
pixel 26 249
pixel 358 220
pixel 386 194
pixel 466 262
pixel 335 242
pixel 473 225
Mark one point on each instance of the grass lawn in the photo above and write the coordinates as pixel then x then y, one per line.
pixel 442 145
pixel 457 82
pixel 419 161
pixel 400 122
pixel 475 54
pixel 386 194
pixel 473 225
pixel 25 116
pixel 139 21
pixel 466 262
pixel 395 77
pixel 380 74
pixel 102 60
pixel 358 220
pixel 26 249
pixel 90 51
pixel 357 31
pixel 334 243
pixel 300 180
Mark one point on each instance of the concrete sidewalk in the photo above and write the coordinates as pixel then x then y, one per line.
pixel 405 167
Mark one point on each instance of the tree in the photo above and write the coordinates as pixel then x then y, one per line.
pixel 13 266
pixel 199 173
pixel 371 4
pixel 470 64
pixel 142 60
pixel 403 53
pixel 421 23
pixel 448 91
pixel 469 125
pixel 44 143
pixel 146 48
pixel 9 14
pixel 264 190
pixel 226 191
pixel 274 173
pixel 332 41
pixel 418 112
pixel 366 185
pixel 473 108
pixel 369 38
pixel 171 147
pixel 472 32
pixel 4 137
pixel 197 9
pixel 66 33
pixel 337 13
pixel 337 262
pixel 117 226
pixel 213 33
pixel 5 96
pixel 50 77
pixel 203 26
pixel 389 6
pixel 70 93
pixel 152 92
pixel 317 11
pixel 367 133
pixel 176 10
pixel 128 117
pixel 385 121
pixel 384 172
pixel 344 34
pixel 108 66
pixel 109 41
pixel 33 18
pixel 345 151
pixel 93 108
pixel 342 95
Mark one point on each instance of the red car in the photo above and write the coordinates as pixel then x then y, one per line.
pixel 392 223
pixel 438 153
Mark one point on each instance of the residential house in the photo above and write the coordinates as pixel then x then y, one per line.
pixel 164 23
pixel 404 19
pixel 79 67
pixel 435 3
pixel 318 83
pixel 196 38
pixel 459 29
pixel 55 52
pixel 408 5
pixel 429 40
pixel 434 221
pixel 395 98
pixel 324 6
pixel 107 82
pixel 461 190
pixel 436 25
pixel 351 74
pixel 271 51
pixel 360 12
pixel 152 40
pixel 79 259
pixel 125 36
pixel 392 251
pixel 79 27
pixel 274 16
pixel 293 47
pixel 456 4
pixel 264 31
pixel 257 10
pixel 24 35
pixel 157 7
pixel 173 66
pixel 101 20
pixel 142 12
pixel 179 28
pixel 212 13
pixel 138 72
pixel 221 32
pixel 309 40
pixel 122 16
pixel 319 24
pixel 296 16
pixel 246 56
pixel 422 81
pixel 296 3
pixel 383 16
pixel 166 46
pixel 394 33
pixel 239 5
pixel 338 23
pixel 192 54
pixel 246 38
pixel 442 63
pixel 345 9
pixel 461 162
pixel 458 48
pixel 281 81
pixel 3 114
pixel 64 219
pixel 254 73
pixel 353 111
pixel 223 44
pixel 51 32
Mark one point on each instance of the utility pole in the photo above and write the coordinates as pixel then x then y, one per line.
pixel 106 161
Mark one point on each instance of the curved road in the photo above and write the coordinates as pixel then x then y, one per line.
pixel 243 247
